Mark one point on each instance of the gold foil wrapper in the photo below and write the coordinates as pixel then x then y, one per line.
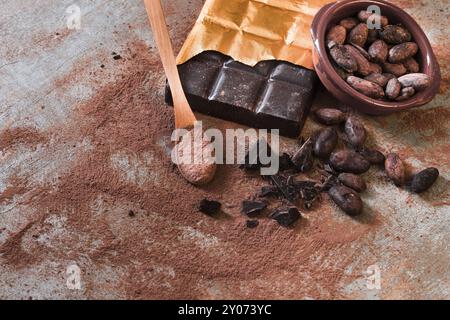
pixel 255 30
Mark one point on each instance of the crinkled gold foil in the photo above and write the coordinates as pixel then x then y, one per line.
pixel 254 30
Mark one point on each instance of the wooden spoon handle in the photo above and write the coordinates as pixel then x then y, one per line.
pixel 184 117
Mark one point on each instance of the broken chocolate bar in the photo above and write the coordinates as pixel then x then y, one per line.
pixel 271 95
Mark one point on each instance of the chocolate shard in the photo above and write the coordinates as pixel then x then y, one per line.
pixel 269 191
pixel 209 207
pixel 285 162
pixel 252 158
pixel 252 224
pixel 252 208
pixel 285 216
pixel 271 95
pixel 303 159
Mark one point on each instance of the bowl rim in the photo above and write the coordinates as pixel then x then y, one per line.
pixel 429 64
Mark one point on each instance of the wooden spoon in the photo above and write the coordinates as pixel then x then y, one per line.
pixel 200 172
pixel 184 117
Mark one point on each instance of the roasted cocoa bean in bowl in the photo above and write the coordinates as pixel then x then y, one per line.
pixel 401 28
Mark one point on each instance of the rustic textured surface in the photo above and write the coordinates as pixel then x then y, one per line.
pixel 84 179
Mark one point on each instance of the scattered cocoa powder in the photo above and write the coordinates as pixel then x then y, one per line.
pixel 169 250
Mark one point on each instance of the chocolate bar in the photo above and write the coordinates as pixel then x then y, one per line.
pixel 271 95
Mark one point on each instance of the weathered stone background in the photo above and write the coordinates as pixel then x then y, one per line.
pixel 48 71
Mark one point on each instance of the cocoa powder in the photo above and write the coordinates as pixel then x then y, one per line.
pixel 168 250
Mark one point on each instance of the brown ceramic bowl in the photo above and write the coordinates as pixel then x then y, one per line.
pixel 330 15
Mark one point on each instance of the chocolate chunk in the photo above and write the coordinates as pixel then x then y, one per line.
pixel 209 207
pixel 271 95
pixel 269 191
pixel 286 216
pixel 303 159
pixel 252 157
pixel 252 208
pixel 422 181
pixel 285 162
pixel 251 224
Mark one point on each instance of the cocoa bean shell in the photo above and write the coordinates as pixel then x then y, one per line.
pixel 303 159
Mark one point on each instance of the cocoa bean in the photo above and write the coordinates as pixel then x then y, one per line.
pixel 377 78
pixel 395 169
pixel 372 36
pixel 395 34
pixel 396 69
pixel 361 61
pixel 353 181
pixel 349 23
pixel 389 76
pixel 375 157
pixel 349 161
pixel 341 72
pixel 411 65
pixel 419 81
pixel 423 180
pixel 337 34
pixel 342 57
pixel 363 16
pixel 375 68
pixel 325 143
pixel 358 35
pixel 303 159
pixel 402 52
pixel 355 132
pixel 362 51
pixel 405 94
pixel 365 87
pixel 329 116
pixel 379 51
pixel 393 89
pixel 346 199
